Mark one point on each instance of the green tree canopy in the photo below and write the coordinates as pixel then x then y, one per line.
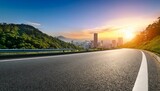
pixel 24 36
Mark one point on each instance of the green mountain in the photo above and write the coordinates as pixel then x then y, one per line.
pixel 149 39
pixel 24 36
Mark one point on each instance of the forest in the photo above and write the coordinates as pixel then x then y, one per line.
pixel 22 36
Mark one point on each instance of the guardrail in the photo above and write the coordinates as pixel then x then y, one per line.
pixel 22 53
pixel 33 50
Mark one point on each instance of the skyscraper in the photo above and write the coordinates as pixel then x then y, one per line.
pixel 114 44
pixel 95 40
pixel 120 41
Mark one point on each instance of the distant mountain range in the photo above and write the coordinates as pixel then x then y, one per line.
pixel 68 39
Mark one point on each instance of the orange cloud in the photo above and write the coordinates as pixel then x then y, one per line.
pixel 77 35
pixel 112 29
pixel 88 33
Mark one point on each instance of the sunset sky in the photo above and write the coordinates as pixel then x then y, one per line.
pixel 79 19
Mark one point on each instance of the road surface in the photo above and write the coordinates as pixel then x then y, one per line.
pixel 113 70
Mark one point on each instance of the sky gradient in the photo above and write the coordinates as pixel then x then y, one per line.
pixel 80 18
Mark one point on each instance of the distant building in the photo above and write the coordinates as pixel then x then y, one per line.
pixel 100 44
pixel 120 41
pixel 114 44
pixel 92 44
pixel 95 41
pixel 84 44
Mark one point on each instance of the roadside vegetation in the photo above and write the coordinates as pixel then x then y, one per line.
pixel 22 36
pixel 149 39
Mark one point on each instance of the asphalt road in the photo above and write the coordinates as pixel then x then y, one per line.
pixel 113 70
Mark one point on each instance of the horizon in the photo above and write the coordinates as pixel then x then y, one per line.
pixel 80 19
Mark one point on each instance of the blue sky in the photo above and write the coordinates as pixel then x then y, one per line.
pixel 57 17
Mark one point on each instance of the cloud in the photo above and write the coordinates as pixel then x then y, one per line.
pixel 33 23
pixel 87 34
pixel 103 29
pixel 112 29
pixel 77 34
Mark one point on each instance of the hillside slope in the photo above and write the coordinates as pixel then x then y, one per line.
pixel 149 39
pixel 23 36
pixel 153 45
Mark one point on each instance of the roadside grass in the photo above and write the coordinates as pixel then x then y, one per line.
pixel 153 45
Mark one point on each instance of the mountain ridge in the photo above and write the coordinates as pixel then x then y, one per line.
pixel 23 36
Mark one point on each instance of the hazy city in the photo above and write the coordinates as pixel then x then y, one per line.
pixel 79 45
pixel 95 43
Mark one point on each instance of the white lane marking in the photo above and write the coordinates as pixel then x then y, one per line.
pixel 31 58
pixel 141 83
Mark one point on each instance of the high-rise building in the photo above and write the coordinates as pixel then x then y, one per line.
pixel 101 44
pixel 114 44
pixel 95 42
pixel 120 41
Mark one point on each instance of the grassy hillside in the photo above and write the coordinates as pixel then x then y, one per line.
pixel 149 39
pixel 23 36
pixel 153 45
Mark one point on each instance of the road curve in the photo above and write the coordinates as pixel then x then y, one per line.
pixel 113 70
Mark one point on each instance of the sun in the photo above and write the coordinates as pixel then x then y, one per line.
pixel 129 35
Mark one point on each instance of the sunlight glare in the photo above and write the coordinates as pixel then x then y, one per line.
pixel 129 34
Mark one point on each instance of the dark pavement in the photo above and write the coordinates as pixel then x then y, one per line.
pixel 113 70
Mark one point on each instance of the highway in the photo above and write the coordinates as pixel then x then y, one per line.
pixel 112 70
